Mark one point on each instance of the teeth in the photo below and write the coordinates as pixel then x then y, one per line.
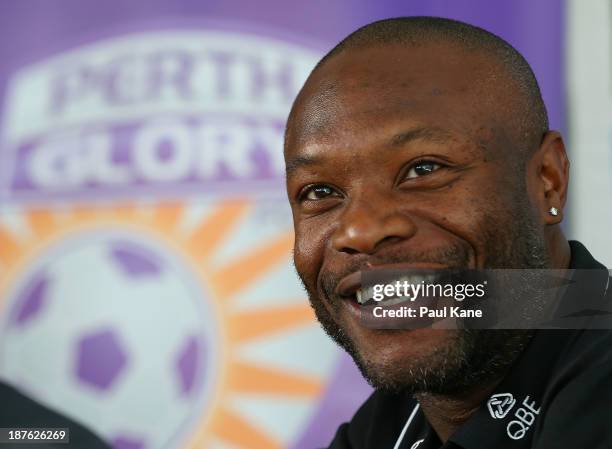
pixel 394 301
pixel 366 293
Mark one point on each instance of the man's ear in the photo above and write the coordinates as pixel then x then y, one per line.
pixel 549 171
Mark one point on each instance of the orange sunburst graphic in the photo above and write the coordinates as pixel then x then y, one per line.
pixel 226 281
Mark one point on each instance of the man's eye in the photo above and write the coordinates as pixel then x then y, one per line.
pixel 422 168
pixel 318 192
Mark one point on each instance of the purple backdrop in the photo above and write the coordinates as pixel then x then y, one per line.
pixel 32 29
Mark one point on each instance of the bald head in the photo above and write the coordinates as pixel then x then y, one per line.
pixel 500 72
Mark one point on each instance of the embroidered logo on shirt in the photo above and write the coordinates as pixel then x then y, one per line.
pixel 524 417
pixel 500 404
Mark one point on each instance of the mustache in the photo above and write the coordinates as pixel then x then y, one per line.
pixel 454 257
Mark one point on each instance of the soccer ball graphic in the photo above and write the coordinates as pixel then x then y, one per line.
pixel 118 328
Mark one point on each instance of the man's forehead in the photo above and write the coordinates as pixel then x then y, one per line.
pixel 353 90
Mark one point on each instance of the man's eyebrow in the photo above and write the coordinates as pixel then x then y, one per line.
pixel 298 162
pixel 402 138
pixel 431 134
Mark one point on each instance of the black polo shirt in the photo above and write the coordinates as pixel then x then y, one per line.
pixel 557 395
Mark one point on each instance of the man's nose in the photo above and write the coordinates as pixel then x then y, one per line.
pixel 367 226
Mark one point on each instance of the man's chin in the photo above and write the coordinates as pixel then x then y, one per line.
pixel 439 361
pixel 392 359
pixel 398 346
pixel 403 360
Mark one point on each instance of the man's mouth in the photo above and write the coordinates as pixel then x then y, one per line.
pixel 369 294
pixel 354 287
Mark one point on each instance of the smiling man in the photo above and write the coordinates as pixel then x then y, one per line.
pixel 425 142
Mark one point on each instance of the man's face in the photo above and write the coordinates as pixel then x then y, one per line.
pixel 408 155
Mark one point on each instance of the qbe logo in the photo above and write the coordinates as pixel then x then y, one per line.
pixel 524 417
pixel 500 404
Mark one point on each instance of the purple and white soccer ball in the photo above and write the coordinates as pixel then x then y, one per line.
pixel 118 329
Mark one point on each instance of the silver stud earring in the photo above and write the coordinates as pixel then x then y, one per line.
pixel 553 211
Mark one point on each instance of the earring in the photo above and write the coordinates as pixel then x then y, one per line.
pixel 553 211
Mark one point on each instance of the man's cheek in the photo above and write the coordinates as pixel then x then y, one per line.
pixel 308 253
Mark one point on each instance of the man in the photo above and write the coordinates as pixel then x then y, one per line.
pixel 425 142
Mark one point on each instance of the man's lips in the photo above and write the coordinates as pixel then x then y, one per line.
pixel 350 284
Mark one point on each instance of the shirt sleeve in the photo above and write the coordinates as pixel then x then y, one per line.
pixel 341 440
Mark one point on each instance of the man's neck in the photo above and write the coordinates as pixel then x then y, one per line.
pixel 559 252
pixel 446 413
